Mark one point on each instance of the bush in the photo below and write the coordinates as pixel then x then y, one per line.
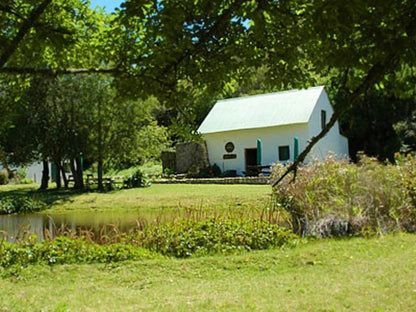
pixel 64 250
pixel 136 179
pixel 14 204
pixel 4 177
pixel 26 181
pixel 335 198
pixel 209 172
pixel 229 174
pixel 193 172
pixel 215 235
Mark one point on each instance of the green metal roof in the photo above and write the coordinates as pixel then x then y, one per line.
pixel 261 111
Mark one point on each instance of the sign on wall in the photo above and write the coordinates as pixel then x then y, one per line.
pixel 229 156
pixel 229 147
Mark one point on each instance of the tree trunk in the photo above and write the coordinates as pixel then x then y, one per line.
pixel 100 175
pixel 78 177
pixel 73 170
pixel 58 175
pixel 45 175
pixel 100 151
pixel 3 162
pixel 62 170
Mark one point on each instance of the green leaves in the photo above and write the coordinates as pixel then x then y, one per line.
pixel 154 47
pixel 63 250
pixel 15 204
pixel 216 235
pixel 65 34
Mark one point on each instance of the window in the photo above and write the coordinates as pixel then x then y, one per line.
pixel 323 119
pixel 284 153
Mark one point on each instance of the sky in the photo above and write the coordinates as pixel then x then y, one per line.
pixel 109 5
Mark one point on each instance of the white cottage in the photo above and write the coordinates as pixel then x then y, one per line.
pixel 273 127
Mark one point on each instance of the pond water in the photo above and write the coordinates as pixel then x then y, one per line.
pixel 99 223
pixel 95 222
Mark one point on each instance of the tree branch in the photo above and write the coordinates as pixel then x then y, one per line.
pixel 24 29
pixel 205 35
pixel 293 167
pixel 10 11
pixel 375 73
pixel 57 72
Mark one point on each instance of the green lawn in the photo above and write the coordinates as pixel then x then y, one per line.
pixel 330 275
pixel 156 196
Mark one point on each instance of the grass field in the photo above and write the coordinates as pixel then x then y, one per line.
pixel 155 196
pixel 357 274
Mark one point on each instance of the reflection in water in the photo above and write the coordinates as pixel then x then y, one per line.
pixel 97 223
pixel 16 225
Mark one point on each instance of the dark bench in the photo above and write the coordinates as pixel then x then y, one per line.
pixel 255 171
pixel 107 181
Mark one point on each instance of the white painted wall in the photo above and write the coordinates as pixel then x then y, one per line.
pixel 333 141
pixel 34 172
pixel 271 138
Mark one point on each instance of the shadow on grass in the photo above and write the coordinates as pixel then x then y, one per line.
pixel 49 196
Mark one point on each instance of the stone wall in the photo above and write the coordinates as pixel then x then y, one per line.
pixel 191 155
pixel 168 161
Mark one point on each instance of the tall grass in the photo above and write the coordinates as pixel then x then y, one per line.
pixel 178 239
pixel 336 198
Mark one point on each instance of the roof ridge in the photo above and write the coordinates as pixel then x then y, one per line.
pixel 269 94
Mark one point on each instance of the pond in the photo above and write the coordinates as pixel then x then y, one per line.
pixel 97 223
pixel 105 222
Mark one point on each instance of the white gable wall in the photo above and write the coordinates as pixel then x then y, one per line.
pixel 333 141
pixel 34 171
pixel 271 137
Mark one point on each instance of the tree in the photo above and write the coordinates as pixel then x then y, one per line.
pixel 368 42
pixel 156 46
pixel 15 131
pixel 43 37
pixel 13 36
pixel 122 132
pixel 71 119
pixel 48 38
pixel 208 43
pixel 406 132
pixel 51 37
pixel 371 124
